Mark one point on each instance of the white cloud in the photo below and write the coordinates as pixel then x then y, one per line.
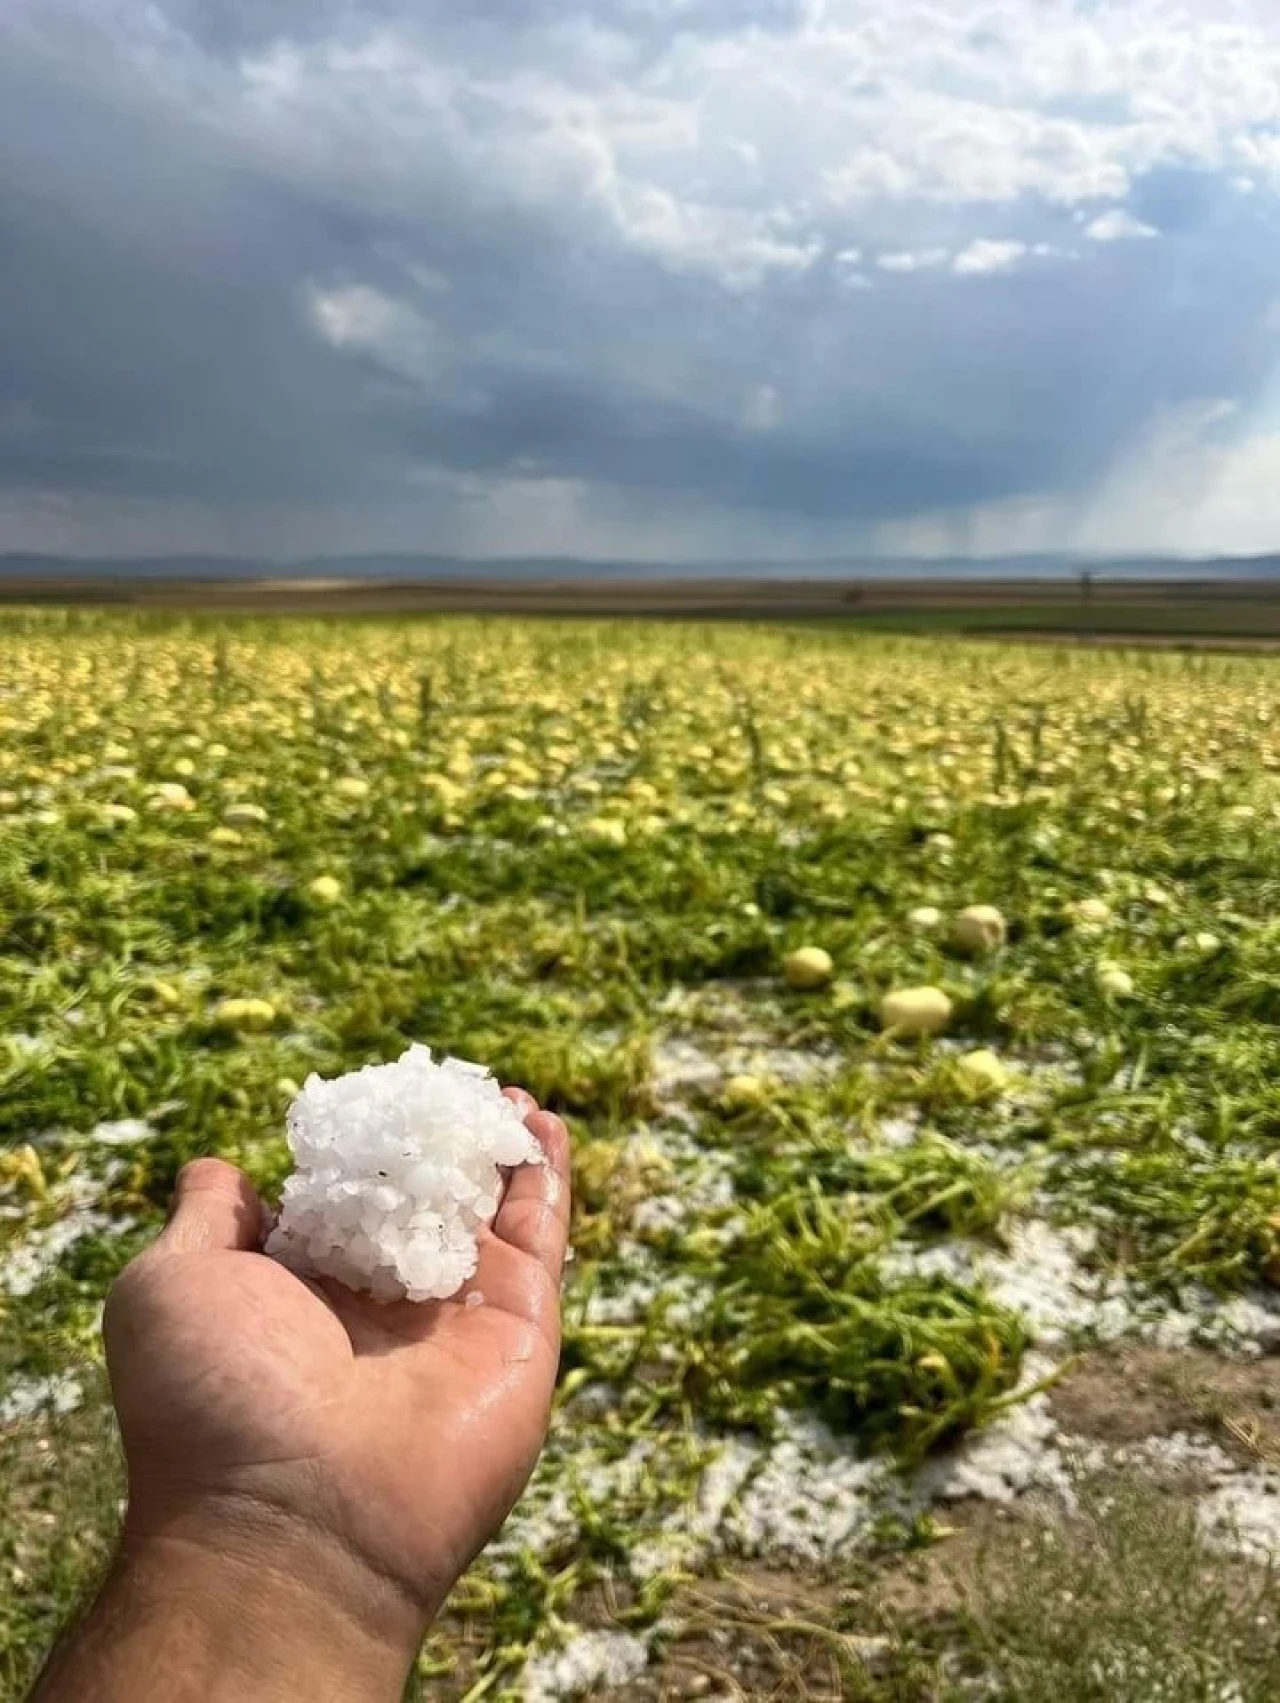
pixel 846 268
pixel 913 260
pixel 739 154
pixel 985 255
pixel 1118 225
pixel 594 217
pixel 359 319
pixel 737 250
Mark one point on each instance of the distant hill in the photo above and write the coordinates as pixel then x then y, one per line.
pixel 544 569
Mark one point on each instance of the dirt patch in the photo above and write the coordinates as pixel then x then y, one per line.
pixel 982 1547
pixel 1123 1396
pixel 1129 1528
pixel 757 1632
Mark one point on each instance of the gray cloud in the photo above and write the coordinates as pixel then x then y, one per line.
pixel 288 273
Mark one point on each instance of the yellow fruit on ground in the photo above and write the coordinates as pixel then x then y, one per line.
pixel 808 968
pixel 170 798
pixel 980 928
pixel 249 1016
pixel 1115 982
pixel 244 816
pixel 605 831
pixel 983 1072
pixel 741 1092
pixel 915 1011
pixel 1092 913
pixel 22 1165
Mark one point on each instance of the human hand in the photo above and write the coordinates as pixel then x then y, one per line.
pixel 316 1437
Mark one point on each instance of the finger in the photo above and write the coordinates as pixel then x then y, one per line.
pixel 522 1099
pixel 214 1207
pixel 534 1215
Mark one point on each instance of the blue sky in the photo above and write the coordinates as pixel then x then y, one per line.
pixel 662 278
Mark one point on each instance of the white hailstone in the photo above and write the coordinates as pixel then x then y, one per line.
pixel 1114 982
pixel 915 1011
pixel 808 968
pixel 325 890
pixel 980 928
pixel 925 917
pixel 398 1168
pixel 1091 913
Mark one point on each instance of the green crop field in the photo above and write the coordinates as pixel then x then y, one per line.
pixel 830 1274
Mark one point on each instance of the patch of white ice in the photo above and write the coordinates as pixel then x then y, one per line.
pixel 25 1397
pixel 1242 1516
pixel 123 1133
pixel 681 1066
pixel 692 1531
pixel 590 1660
pixel 813 1496
pixel 1045 1278
pixel 1019 1452
pixel 27 1263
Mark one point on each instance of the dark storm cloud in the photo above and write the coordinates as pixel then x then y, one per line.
pixel 307 254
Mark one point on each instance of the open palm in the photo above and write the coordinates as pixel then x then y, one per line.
pixel 402 1433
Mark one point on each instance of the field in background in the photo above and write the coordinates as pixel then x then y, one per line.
pixel 828 1282
pixel 1216 612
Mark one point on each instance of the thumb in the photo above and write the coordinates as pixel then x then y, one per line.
pixel 214 1207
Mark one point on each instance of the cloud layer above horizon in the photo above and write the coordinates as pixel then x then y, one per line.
pixel 669 278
